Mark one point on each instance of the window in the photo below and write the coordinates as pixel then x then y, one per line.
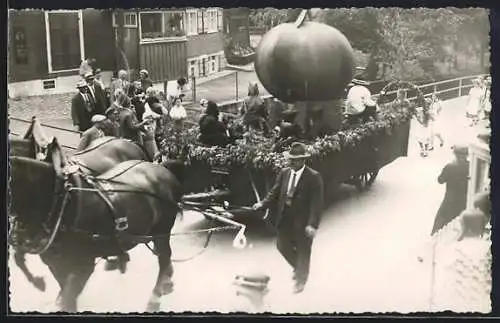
pixel 162 25
pixel 64 30
pixel 211 20
pixel 192 21
pixel 213 64
pixel 129 19
pixel 193 68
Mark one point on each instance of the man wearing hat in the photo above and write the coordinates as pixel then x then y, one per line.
pixel 298 199
pixel 360 105
pixel 456 177
pixel 97 94
pixel 94 132
pixel 82 108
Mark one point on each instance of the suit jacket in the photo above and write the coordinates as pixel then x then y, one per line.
pixel 307 202
pixel 100 99
pixel 80 113
pixel 88 136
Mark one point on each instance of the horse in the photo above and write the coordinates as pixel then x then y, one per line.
pixel 101 155
pixel 85 217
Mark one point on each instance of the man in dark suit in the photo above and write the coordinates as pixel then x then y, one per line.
pixel 298 198
pixel 82 109
pixel 97 94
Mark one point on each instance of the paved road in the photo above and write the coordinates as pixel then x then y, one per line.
pixel 224 88
pixel 364 257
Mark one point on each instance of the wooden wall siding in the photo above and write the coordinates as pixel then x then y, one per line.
pixel 164 61
pixel 98 41
pixel 99 38
pixel 204 44
pixel 130 49
pixel 32 22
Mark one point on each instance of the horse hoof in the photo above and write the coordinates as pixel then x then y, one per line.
pixel 39 283
pixel 123 268
pixel 167 288
pixel 153 307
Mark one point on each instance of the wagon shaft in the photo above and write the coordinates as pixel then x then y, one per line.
pixel 205 196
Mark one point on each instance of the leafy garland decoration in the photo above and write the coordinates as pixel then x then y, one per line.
pixel 258 152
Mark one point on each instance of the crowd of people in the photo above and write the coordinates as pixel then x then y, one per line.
pixel 127 109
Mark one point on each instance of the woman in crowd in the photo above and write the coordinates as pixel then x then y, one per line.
pixel 137 98
pixel 474 102
pixel 153 107
pixel 178 114
pixel 146 82
pixel 120 83
pixel 254 110
pixel 130 127
pixel 213 132
pixel 436 121
pixel 455 175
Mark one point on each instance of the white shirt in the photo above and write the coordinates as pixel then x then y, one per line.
pixel 297 177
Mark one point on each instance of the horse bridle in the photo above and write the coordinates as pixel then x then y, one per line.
pixel 48 235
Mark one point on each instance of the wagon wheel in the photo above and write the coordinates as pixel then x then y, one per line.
pixel 365 180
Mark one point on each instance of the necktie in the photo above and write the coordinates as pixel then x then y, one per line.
pixel 291 190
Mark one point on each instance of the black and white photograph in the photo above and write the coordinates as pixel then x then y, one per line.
pixel 249 160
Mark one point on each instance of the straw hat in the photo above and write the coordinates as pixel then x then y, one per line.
pixel 297 151
pixel 88 75
pixel 81 84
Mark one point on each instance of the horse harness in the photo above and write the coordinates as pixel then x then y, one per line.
pixel 72 183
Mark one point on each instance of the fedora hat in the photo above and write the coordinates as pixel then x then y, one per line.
pixel 297 151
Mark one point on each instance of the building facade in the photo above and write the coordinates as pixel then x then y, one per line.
pixel 171 43
pixel 46 47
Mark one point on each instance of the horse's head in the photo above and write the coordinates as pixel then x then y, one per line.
pixel 32 184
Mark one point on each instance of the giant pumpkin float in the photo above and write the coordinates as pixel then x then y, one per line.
pixel 308 64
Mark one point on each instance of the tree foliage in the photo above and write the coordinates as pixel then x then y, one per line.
pixel 410 41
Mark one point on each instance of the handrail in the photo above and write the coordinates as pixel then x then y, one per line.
pixel 459 79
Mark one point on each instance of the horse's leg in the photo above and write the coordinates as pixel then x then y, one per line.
pixel 37 281
pixel 79 272
pixel 164 284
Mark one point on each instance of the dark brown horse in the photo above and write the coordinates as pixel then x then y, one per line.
pixel 99 157
pixel 71 222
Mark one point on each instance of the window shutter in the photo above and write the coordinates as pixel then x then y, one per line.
pixel 200 22
pixel 206 21
pixel 220 24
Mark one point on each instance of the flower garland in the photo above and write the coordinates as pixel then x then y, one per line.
pixel 259 152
